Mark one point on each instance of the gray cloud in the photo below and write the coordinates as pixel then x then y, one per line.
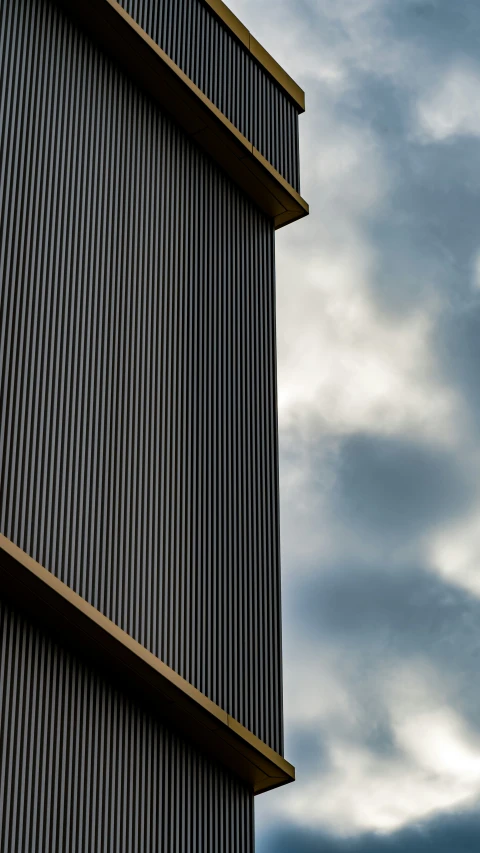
pixel 391 168
pixel 458 347
pixel 426 233
pixel 395 489
pixel 391 612
pixel 453 833
pixel 444 29
pixel 373 620
pixel 308 751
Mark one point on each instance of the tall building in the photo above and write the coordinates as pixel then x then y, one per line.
pixel 148 152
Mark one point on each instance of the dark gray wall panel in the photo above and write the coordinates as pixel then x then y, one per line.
pixel 221 67
pixel 83 769
pixel 138 434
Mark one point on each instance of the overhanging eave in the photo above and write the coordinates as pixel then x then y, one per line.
pixel 173 699
pixel 118 34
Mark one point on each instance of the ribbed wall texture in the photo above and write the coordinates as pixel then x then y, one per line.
pixel 138 435
pixel 84 770
pixel 227 73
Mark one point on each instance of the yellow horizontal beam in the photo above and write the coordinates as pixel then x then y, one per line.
pixel 156 72
pixel 262 56
pixel 81 626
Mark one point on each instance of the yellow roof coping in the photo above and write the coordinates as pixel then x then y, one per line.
pixel 159 75
pixel 262 56
pixel 82 627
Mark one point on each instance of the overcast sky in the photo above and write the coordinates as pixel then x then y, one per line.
pixel 379 406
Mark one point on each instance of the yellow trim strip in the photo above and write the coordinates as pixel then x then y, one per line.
pixel 230 20
pixel 156 72
pixel 175 700
pixel 262 56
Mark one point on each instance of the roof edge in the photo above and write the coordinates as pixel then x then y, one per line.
pixel 174 700
pixel 151 67
pixel 270 65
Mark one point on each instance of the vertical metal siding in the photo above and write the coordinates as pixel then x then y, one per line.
pixel 138 457
pixel 221 67
pixel 83 768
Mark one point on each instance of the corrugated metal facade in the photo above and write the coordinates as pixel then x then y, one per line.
pixel 84 770
pixel 227 73
pixel 137 348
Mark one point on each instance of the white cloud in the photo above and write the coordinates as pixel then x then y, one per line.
pixel 454 552
pixel 439 743
pixel 365 793
pixel 342 360
pixel 450 107
pixel 328 42
pixel 346 366
pixel 435 767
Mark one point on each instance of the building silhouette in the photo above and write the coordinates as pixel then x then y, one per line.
pixel 148 152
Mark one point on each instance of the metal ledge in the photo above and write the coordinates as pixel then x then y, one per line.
pixel 269 64
pixel 152 68
pixel 176 701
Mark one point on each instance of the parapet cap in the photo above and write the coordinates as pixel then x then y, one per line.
pixel 271 66
pixel 221 96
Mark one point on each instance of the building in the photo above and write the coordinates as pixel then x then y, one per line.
pixel 148 151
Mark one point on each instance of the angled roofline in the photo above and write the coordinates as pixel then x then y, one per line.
pixel 120 36
pixel 174 700
pixel 270 65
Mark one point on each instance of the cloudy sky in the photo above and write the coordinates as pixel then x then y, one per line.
pixel 379 398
